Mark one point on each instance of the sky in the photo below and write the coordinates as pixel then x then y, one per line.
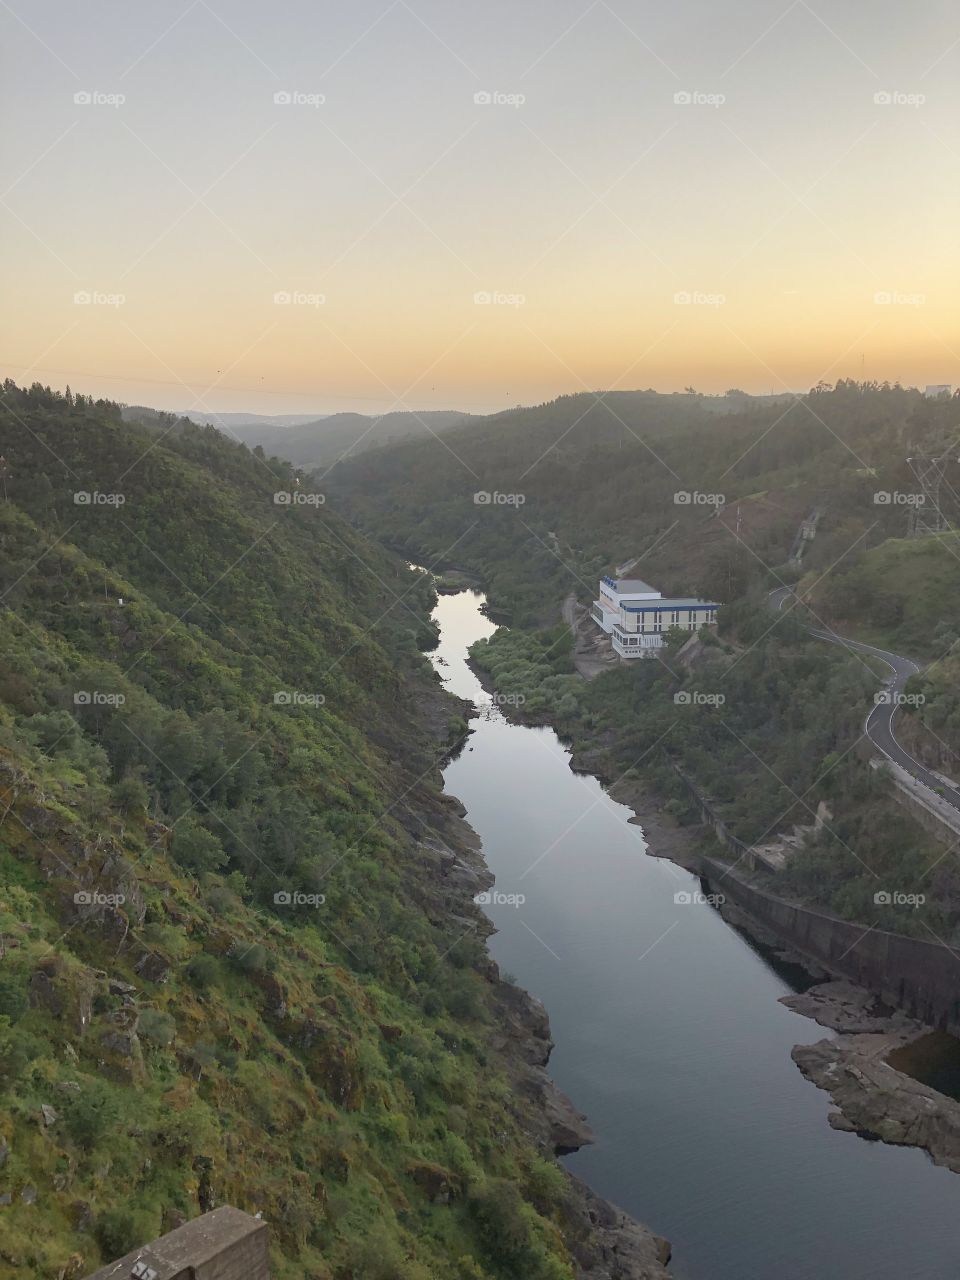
pixel 308 207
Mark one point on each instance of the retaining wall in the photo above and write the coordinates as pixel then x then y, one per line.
pixel 918 976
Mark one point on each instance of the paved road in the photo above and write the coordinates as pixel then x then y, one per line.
pixel 879 725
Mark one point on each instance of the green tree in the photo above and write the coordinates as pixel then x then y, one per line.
pixel 196 848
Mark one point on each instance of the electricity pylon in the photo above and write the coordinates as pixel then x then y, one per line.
pixel 926 515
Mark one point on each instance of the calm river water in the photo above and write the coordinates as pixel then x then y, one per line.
pixel 670 1036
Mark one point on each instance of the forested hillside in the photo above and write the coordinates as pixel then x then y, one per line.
pixel 635 474
pixel 769 720
pixel 230 968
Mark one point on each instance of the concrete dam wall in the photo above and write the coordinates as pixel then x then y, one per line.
pixel 920 977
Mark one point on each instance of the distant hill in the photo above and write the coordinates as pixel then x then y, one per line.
pixel 321 442
pixel 234 420
pixel 312 442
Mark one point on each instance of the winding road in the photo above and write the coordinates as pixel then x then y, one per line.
pixel 879 725
pixel 880 722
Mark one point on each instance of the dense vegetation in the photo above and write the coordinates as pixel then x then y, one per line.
pixel 767 725
pixel 599 480
pixel 905 595
pixel 228 967
pixel 602 482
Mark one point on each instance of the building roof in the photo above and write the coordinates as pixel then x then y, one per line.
pixel 677 602
pixel 193 1246
pixel 630 586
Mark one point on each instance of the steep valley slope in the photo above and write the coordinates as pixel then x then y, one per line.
pixel 240 960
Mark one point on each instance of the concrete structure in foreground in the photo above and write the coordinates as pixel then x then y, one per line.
pixel 225 1244
pixel 635 615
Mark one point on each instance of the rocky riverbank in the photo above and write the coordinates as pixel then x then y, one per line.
pixel 605 1242
pixel 874 1099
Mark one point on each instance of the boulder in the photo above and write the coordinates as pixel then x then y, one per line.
pixel 152 968
pixel 43 993
pixel 439 1185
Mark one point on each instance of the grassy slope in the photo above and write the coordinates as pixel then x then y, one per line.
pixel 198 1041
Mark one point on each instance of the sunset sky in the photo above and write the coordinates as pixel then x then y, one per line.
pixel 791 170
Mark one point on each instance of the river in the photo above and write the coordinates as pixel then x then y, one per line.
pixel 670 1035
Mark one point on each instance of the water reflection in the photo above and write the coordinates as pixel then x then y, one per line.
pixel 670 1035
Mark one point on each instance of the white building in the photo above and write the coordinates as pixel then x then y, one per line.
pixel 635 615
pixel 934 389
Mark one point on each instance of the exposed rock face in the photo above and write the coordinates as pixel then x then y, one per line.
pixel 274 993
pixel 330 1057
pixel 43 994
pixel 525 1043
pixel 569 1129
pixel 843 1006
pixel 605 1242
pixel 609 1244
pixel 66 994
pixel 152 968
pixel 874 1099
pixel 592 651
pixel 122 1053
pixel 440 1185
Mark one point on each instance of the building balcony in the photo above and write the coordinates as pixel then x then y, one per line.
pixel 636 644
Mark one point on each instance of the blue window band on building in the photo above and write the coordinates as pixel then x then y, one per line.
pixel 621 599
pixel 669 607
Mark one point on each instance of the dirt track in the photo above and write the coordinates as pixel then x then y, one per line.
pixel 592 653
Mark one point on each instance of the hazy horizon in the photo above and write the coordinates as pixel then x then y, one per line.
pixel 412 205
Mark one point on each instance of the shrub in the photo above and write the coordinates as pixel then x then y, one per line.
pixel 13 996
pixel 156 1026
pixel 247 959
pixel 203 970
pixel 131 796
pixel 93 1114
pixel 17 1050
pixel 120 1230
pixel 196 848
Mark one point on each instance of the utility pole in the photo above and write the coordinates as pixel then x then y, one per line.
pixel 4 472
